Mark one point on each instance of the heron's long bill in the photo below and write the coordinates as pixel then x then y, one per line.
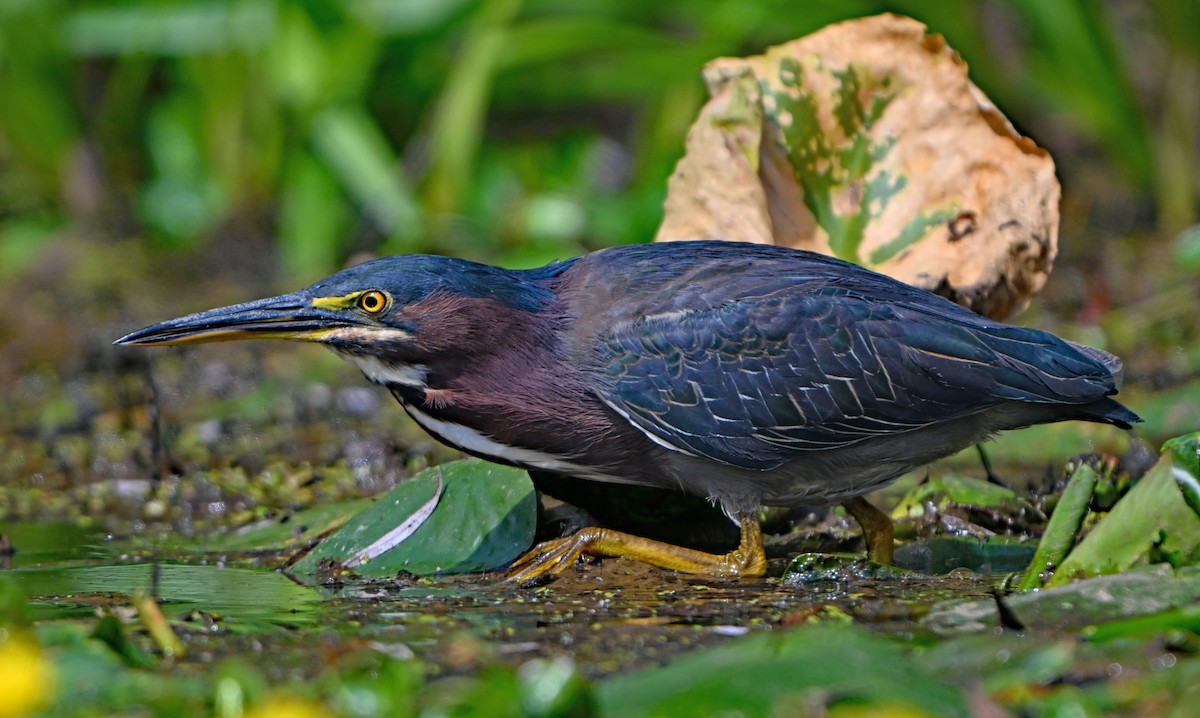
pixel 290 316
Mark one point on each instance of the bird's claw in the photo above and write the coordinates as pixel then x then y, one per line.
pixel 549 558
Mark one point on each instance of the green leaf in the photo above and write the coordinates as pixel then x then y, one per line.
pixel 1187 248
pixel 1143 591
pixel 1153 509
pixel 1075 59
pixel 1064 524
pixel 1186 453
pixel 456 131
pixel 402 531
pixel 184 198
pixel 551 688
pixel 796 672
pixel 22 243
pixel 169 29
pixel 955 490
pixel 111 632
pixel 240 596
pixel 485 519
pixel 999 660
pixel 288 532
pixel 353 146
pixel 312 218
pixel 14 607
pixel 1184 617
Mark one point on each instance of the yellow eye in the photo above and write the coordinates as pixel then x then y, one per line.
pixel 372 302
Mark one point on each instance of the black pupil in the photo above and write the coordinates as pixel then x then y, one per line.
pixel 371 302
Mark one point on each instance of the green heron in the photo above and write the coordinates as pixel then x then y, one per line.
pixel 750 375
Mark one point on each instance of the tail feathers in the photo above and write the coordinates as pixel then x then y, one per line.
pixel 1106 411
pixel 1110 362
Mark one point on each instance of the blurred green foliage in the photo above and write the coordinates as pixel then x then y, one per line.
pixel 508 130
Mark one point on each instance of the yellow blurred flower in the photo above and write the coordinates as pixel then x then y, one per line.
pixel 27 677
pixel 876 710
pixel 282 707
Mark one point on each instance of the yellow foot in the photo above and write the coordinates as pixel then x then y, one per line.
pixel 876 527
pixel 552 557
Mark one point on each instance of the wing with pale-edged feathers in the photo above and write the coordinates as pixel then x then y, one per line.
pixel 765 377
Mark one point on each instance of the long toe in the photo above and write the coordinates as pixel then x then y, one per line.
pixel 548 558
pixel 552 557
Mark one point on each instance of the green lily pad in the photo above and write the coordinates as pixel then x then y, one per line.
pixel 484 518
pixel 288 531
pixel 787 673
pixel 1153 515
pixel 241 596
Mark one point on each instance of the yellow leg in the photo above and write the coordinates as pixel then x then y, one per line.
pixel 552 557
pixel 876 527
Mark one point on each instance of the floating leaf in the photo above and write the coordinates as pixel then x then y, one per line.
pixel 484 519
pixel 1142 591
pixel 288 531
pixel 396 536
pixel 1153 513
pixel 243 597
pixel 798 672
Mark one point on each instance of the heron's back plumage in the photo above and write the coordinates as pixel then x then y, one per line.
pixel 752 356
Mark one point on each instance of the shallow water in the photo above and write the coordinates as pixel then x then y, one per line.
pixel 610 616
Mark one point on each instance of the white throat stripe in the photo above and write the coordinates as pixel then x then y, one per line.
pixel 412 375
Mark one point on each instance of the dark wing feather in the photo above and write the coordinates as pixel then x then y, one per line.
pixel 758 380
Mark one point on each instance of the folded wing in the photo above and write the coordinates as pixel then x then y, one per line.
pixel 758 380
